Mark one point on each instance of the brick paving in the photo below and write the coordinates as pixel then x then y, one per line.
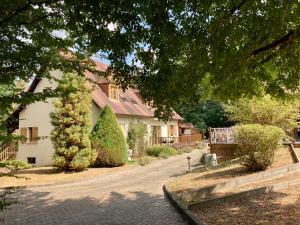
pixel 133 196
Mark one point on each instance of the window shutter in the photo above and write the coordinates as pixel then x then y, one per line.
pixel 35 134
pixel 23 133
pixel 158 131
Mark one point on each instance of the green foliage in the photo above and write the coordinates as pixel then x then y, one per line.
pixel 15 165
pixel 8 169
pixel 166 152
pixel 257 144
pixel 202 146
pixel 136 139
pixel 205 114
pixel 29 47
pixel 145 160
pixel 108 140
pixel 161 151
pixel 187 149
pixel 222 48
pixel 265 110
pixel 72 120
pixel 6 199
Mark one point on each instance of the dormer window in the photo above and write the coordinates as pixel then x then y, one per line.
pixel 123 98
pixel 114 92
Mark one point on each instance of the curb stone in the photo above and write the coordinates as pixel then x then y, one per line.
pixel 239 181
pixel 183 211
pixel 244 194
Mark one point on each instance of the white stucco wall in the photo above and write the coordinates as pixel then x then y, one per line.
pixel 125 120
pixel 37 115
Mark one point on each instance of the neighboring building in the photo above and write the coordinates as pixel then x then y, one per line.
pixel 34 120
pixel 187 129
pixel 295 133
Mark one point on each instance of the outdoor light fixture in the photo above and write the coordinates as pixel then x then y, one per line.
pixel 189 163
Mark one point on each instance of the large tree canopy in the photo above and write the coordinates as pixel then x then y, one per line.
pixel 266 111
pixel 206 114
pixel 181 50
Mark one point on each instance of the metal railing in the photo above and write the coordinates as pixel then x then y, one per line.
pixel 180 141
pixel 221 135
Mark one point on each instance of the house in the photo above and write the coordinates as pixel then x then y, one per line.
pixel 33 120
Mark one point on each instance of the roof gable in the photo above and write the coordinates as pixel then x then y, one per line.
pixel 129 104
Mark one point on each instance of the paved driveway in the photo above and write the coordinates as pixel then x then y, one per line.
pixel 133 196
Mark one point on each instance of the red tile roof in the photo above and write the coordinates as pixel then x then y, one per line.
pixel 132 106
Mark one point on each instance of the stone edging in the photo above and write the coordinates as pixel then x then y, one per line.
pixel 236 182
pixel 204 168
pixel 184 212
pixel 188 215
pixel 244 194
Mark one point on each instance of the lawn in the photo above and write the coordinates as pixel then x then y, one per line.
pixel 281 206
pixel 49 175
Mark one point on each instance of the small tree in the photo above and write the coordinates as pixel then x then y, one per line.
pixel 108 140
pixel 8 169
pixel 265 110
pixel 257 144
pixel 72 121
pixel 136 139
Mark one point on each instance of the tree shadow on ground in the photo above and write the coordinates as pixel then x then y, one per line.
pixel 112 208
pixel 224 174
pixel 271 208
pixel 46 170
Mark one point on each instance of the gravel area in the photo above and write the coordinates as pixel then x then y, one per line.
pixel 279 207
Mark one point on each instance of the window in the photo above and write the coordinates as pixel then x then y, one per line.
pixel 31 160
pixel 114 92
pixel 155 131
pixel 171 130
pixel 133 101
pixel 123 98
pixel 29 134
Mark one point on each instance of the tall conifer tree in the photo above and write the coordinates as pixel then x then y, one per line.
pixel 108 140
pixel 72 123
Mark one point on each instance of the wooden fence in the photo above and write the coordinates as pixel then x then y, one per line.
pixel 181 141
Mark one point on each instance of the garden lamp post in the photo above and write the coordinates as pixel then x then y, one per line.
pixel 189 163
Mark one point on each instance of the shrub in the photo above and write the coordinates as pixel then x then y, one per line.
pixel 136 139
pixel 153 150
pixel 144 160
pixel 163 155
pixel 108 140
pixel 72 121
pixel 202 158
pixel 187 149
pixel 8 169
pixel 15 165
pixel 202 145
pixel 161 151
pixel 257 144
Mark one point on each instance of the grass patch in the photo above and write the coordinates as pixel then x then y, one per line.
pixel 161 151
pixel 185 150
